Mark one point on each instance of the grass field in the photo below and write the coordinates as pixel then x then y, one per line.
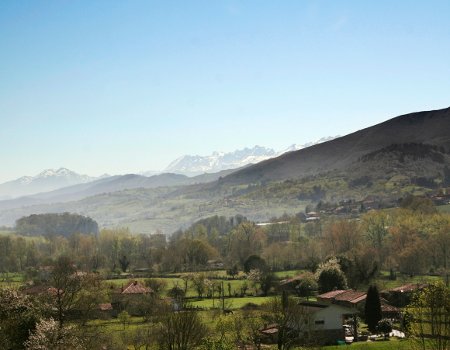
pixel 444 208
pixel 230 303
pixel 392 344
pixel 384 282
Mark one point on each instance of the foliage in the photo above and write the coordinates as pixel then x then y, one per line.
pixel 176 293
pixel 430 317
pixel 255 262
pixel 124 263
pixel 124 318
pixel 18 316
pixel 66 284
pixel 157 285
pixel 48 335
pixel 384 326
pixel 56 224
pixel 307 285
pixel 372 309
pixel 330 276
pixel 292 319
pixel 182 330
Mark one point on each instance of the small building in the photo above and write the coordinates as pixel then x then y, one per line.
pixel 348 298
pixel 356 300
pixel 104 311
pixel 323 322
pixel 401 296
pixel 130 298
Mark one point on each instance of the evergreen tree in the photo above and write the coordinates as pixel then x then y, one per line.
pixel 372 310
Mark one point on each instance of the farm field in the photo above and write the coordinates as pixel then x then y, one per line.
pixel 392 344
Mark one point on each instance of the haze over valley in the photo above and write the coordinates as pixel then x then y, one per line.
pixel 405 155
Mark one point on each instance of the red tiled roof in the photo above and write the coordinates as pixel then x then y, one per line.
pixel 135 288
pixel 331 295
pixel 105 307
pixel 388 308
pixel 351 296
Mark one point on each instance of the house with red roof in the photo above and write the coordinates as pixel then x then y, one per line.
pixel 131 297
pixel 356 300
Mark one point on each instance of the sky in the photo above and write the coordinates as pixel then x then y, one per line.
pixel 127 86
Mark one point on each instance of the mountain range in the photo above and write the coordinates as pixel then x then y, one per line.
pixel 47 180
pixel 218 161
pixel 53 179
pixel 404 155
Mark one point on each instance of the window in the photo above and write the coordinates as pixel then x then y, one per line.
pixel 320 322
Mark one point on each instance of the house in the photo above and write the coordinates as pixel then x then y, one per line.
pixel 401 296
pixel 131 298
pixel 291 283
pixel 323 323
pixel 134 288
pixel 104 311
pixel 356 300
pixel 348 298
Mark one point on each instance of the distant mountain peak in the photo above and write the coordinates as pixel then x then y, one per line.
pixel 46 180
pixel 218 161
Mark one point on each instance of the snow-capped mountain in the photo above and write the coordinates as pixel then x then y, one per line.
pixel 217 161
pixel 47 180
pixel 296 147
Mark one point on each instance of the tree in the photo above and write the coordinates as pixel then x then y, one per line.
pixel 307 285
pixel 267 282
pixel 91 294
pixel 233 271
pixel 255 262
pixel 330 276
pixel 384 326
pixel 158 285
pixel 182 330
pixel 49 335
pixel 67 284
pixel 124 263
pixel 199 282
pixel 375 225
pixel 56 224
pixel 245 240
pixel 124 318
pixel 177 294
pixel 18 316
pixel 429 319
pixel 292 319
pixel 372 309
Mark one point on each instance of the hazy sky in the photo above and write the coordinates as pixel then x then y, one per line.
pixel 125 86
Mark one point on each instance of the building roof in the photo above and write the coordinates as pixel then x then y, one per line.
pixel 410 287
pixel 331 295
pixel 135 287
pixel 352 296
pixel 349 295
pixel 105 307
pixel 292 279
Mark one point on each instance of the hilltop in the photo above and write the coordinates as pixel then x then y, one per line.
pixel 409 154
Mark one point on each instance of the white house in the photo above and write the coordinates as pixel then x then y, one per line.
pixel 323 323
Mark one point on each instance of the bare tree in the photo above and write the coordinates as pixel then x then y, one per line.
pixel 292 320
pixel 182 330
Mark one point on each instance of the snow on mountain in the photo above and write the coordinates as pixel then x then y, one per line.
pixel 47 180
pixel 296 147
pixel 217 161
